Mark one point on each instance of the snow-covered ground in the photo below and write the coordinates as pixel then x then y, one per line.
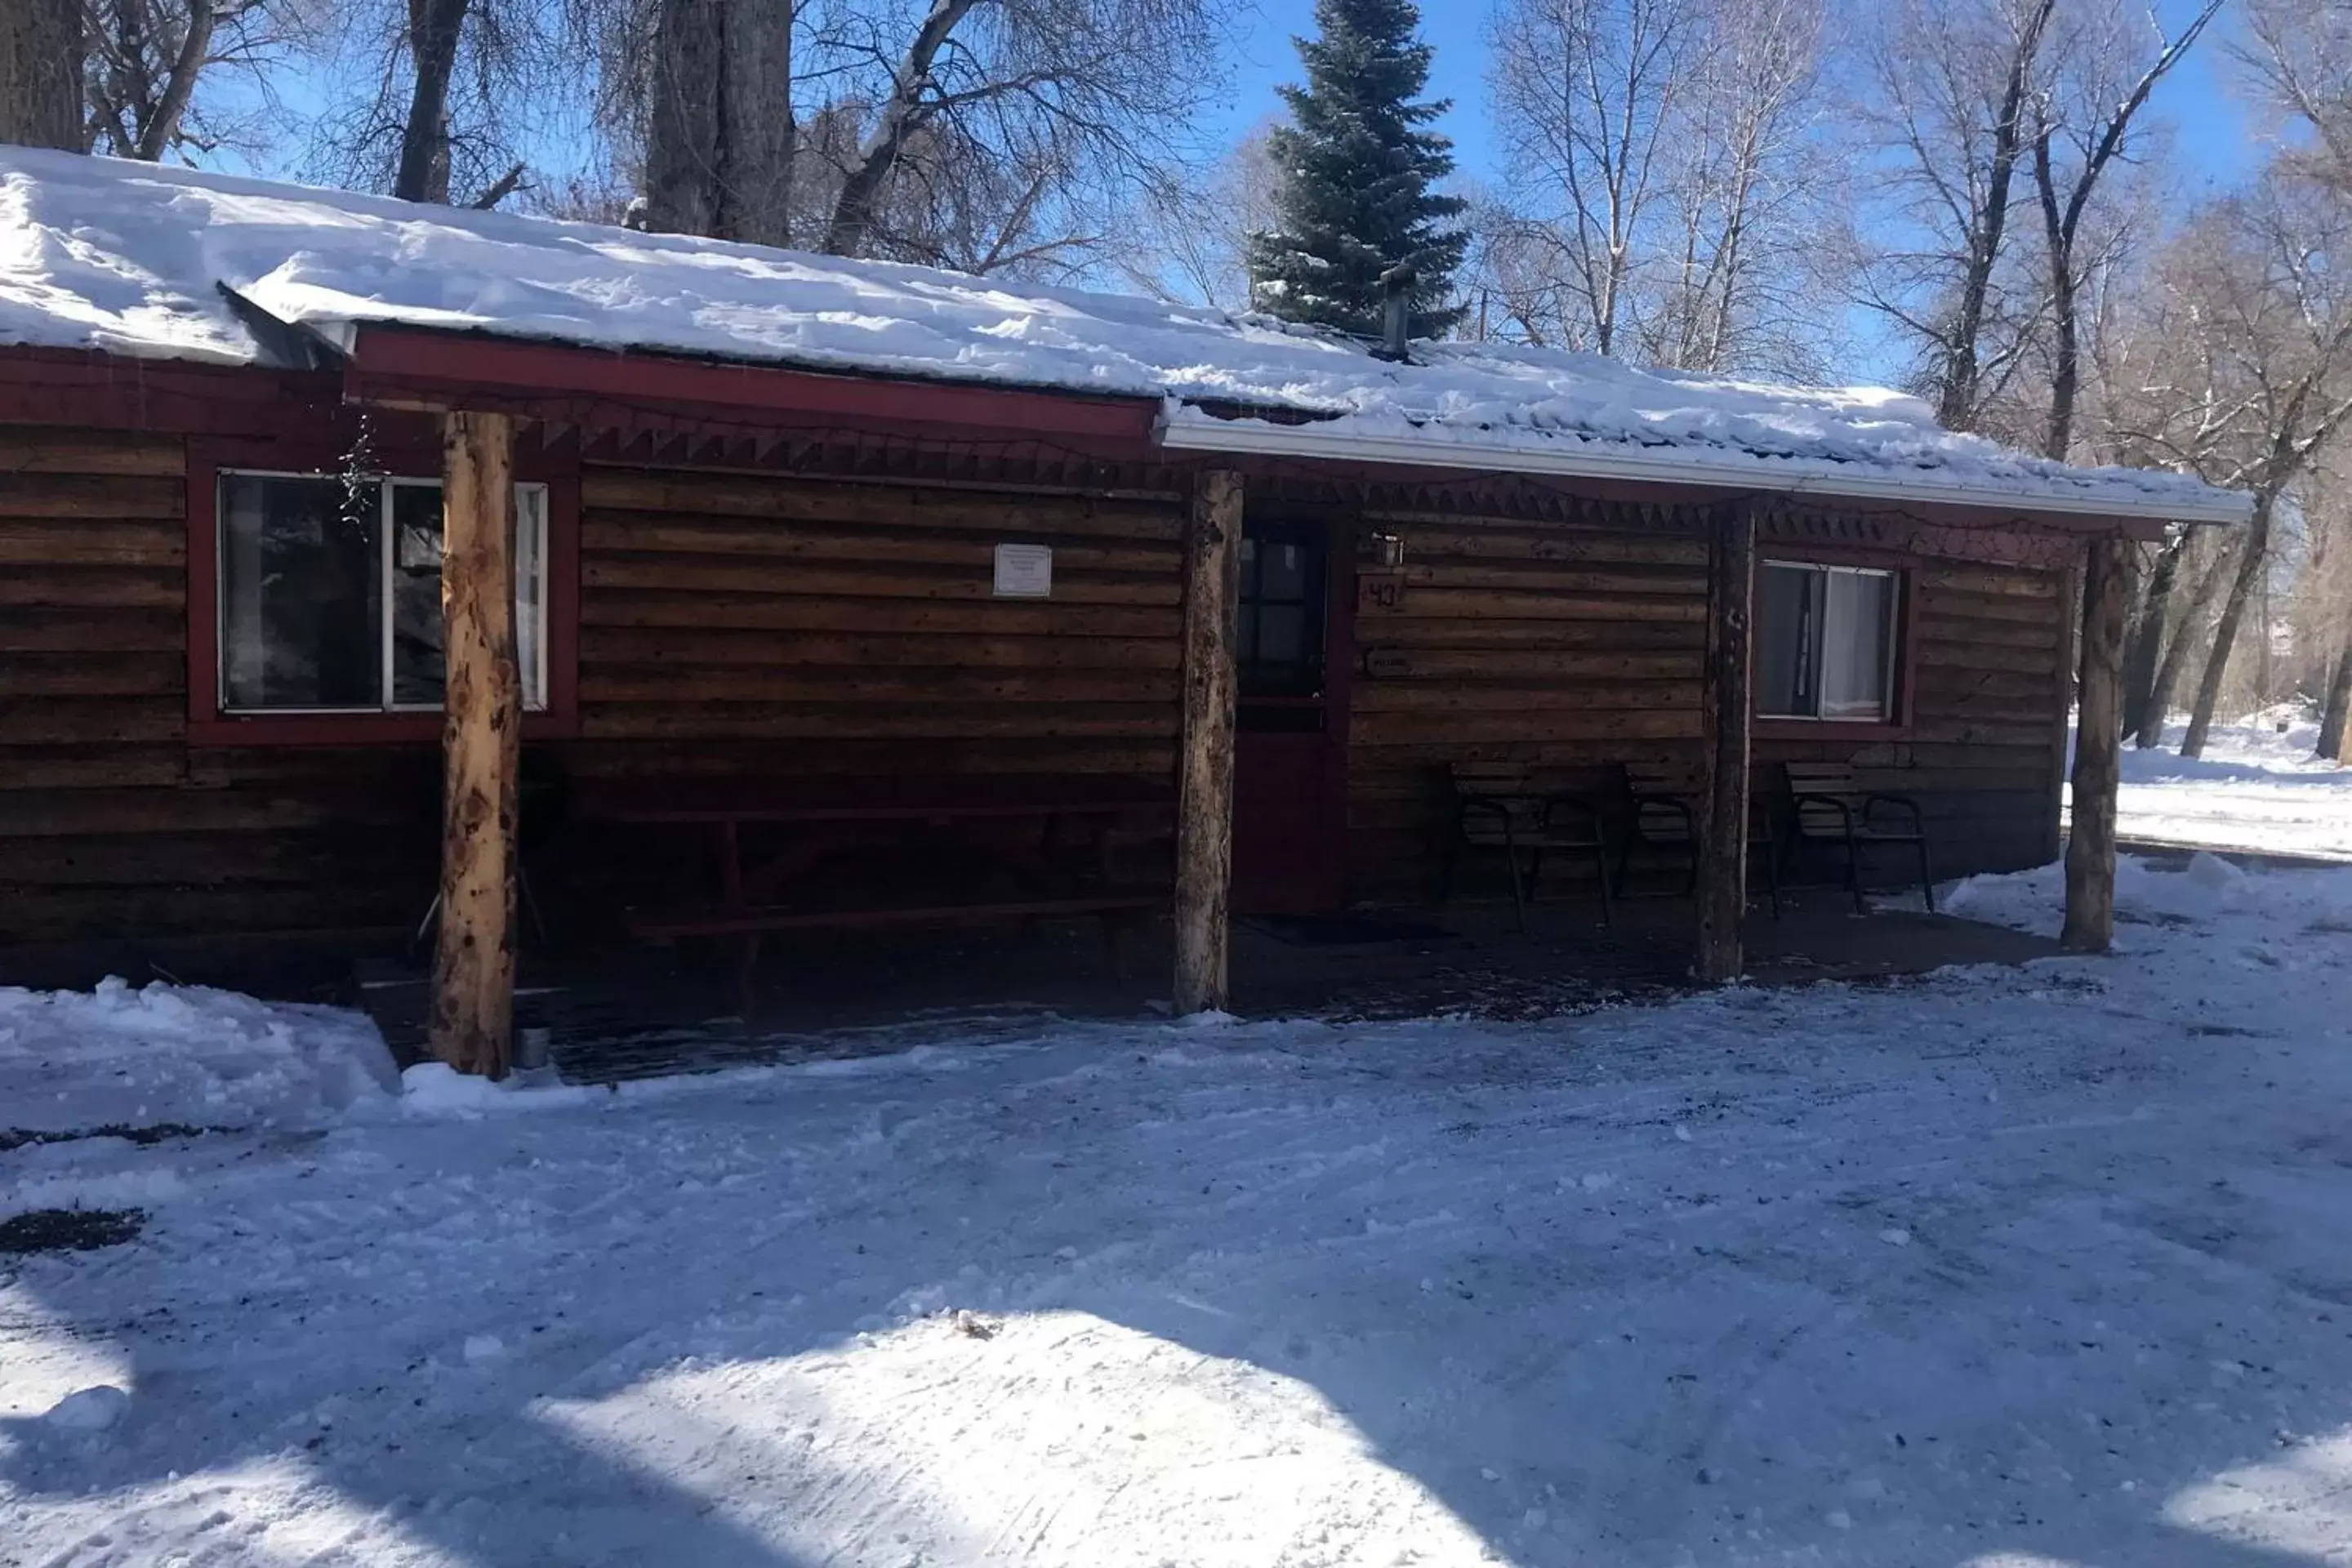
pixel 2256 787
pixel 1998 1268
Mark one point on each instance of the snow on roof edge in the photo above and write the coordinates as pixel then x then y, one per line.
pixel 1188 428
pixel 110 256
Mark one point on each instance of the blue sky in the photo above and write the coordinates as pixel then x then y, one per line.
pixel 2216 140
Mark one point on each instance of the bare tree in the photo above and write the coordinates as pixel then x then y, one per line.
pixel 1587 94
pixel 455 91
pixel 433 28
pixel 1193 239
pixel 1071 91
pixel 2249 371
pixel 149 59
pixel 2086 125
pixel 2299 56
pixel 1954 86
pixel 1743 176
pixel 41 54
pixel 1666 187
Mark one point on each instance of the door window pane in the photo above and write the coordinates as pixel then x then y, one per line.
pixel 416 659
pixel 300 609
pixel 1280 619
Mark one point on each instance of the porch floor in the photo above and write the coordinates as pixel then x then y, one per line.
pixel 641 1012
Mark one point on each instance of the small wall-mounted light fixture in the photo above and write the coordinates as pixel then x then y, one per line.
pixel 1384 550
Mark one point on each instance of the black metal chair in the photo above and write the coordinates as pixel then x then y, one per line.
pixel 1828 805
pixel 1662 821
pixel 1496 808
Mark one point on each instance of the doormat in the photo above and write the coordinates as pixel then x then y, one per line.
pixel 1346 931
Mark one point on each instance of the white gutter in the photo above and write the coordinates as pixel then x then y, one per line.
pixel 1684 466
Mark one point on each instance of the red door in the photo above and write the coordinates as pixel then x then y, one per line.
pixel 1290 758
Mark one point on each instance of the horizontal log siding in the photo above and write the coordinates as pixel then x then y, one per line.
pixel 109 826
pixel 1575 651
pixel 1568 649
pixel 734 623
pixel 1986 717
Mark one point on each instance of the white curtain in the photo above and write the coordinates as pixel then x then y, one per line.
pixel 1857 622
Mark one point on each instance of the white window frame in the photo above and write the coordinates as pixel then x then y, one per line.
pixel 530 591
pixel 1890 676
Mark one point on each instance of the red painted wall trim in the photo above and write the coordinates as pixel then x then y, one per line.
pixel 397 363
pixel 319 450
pixel 73 386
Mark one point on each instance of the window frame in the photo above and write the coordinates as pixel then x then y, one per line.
pixel 212 722
pixel 1897 720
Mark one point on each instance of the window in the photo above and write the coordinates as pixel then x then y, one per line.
pixel 1825 642
pixel 1279 650
pixel 331 594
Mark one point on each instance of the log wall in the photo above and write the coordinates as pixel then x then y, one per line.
pixel 1569 649
pixel 732 622
pixel 726 624
pixel 1574 650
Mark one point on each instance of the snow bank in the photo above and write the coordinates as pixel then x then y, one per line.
pixel 2258 787
pixel 182 1054
pixel 129 257
pixel 2209 893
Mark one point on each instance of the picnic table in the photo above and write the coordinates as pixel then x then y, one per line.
pixel 1053 836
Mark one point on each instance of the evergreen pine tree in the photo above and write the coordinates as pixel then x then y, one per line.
pixel 1356 175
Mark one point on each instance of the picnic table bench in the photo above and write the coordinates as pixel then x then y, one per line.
pixel 1069 868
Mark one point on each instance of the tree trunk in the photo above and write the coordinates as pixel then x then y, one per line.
pixel 433 28
pixel 1722 845
pixel 2332 717
pixel 2252 558
pixel 1956 407
pixel 2176 655
pixel 2147 639
pixel 1204 782
pixel 41 60
pixel 472 1024
pixel 902 114
pixel 719 145
pixel 163 127
pixel 755 124
pixel 682 130
pixel 2090 925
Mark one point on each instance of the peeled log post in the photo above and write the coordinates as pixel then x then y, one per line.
pixel 1204 784
pixel 481 734
pixel 2098 748
pixel 1723 826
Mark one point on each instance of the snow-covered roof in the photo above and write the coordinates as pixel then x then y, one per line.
pixel 131 258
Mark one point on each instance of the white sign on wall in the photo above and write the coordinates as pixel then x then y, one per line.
pixel 1024 572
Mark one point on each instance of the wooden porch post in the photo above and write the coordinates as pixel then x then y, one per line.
pixel 473 956
pixel 1204 784
pixel 2098 748
pixel 1723 824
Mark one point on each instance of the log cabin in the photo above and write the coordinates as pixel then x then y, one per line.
pixel 325 520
